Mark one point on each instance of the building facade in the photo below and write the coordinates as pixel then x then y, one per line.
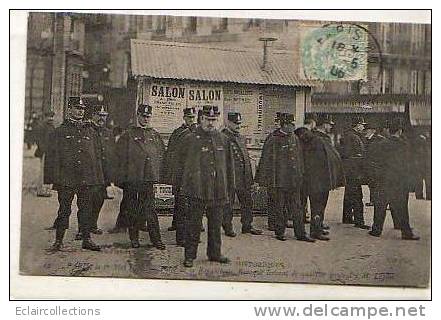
pixel 90 53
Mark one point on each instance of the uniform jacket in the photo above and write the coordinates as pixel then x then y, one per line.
pixel 376 154
pixel 281 162
pixel 139 155
pixel 243 174
pixel 396 172
pixel 206 167
pixel 352 154
pixel 169 169
pixel 106 151
pixel 323 165
pixel 72 158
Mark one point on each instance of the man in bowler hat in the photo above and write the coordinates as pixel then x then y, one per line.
pixel 394 182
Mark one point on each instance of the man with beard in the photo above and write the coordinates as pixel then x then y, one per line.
pixel 74 168
pixel 206 170
pixel 352 154
pixel 43 133
pixel 323 171
pixel 169 171
pixel 394 182
pixel 281 170
pixel 140 151
pixel 243 178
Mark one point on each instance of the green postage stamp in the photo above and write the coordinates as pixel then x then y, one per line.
pixel 336 51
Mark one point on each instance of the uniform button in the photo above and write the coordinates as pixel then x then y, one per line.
pixel 79 151
pixel 79 162
pixel 104 158
pixel 79 140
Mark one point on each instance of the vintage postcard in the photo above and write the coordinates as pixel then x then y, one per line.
pixel 227 148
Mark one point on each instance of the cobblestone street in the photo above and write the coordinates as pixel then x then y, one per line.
pixel 351 257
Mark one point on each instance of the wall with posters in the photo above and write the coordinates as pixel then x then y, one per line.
pixel 258 104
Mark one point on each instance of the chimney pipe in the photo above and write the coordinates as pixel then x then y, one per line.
pixel 266 63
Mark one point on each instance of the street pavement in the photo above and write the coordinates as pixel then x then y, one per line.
pixel 351 257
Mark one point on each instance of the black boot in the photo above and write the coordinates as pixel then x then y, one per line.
pixel 59 235
pixel 134 237
pixel 88 244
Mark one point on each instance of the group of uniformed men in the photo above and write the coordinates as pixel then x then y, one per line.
pixel 209 167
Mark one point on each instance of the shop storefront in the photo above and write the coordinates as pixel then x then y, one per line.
pixel 174 76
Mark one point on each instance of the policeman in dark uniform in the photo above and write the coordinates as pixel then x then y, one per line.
pixel 352 154
pixel 140 151
pixel 106 150
pixel 270 201
pixel 243 178
pixel 393 182
pixel 206 165
pixel 281 170
pixel 74 168
pixel 375 157
pixel 323 171
pixel 169 171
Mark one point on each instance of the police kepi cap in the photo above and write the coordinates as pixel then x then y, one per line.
pixel 190 112
pixel 286 118
pixel 235 117
pixel 210 111
pixel 144 110
pixel 75 102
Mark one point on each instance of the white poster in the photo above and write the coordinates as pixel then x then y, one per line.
pixel 167 101
pixel 246 101
pixel 200 95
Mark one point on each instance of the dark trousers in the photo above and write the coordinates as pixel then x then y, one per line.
pixel 353 203
pixel 121 220
pixel 421 179
pixel 193 224
pixel 398 200
pixel 179 214
pixel 318 201
pixel 246 210
pixel 288 204
pixel 97 204
pixel 141 208
pixel 378 198
pixel 85 197
pixel 271 208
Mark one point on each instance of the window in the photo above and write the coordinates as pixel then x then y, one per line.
pixel 160 24
pixel 414 82
pixel 223 25
pixel 387 81
pixel 191 25
pixel 253 23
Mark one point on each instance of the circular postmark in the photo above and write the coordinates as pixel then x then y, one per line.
pixel 336 52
